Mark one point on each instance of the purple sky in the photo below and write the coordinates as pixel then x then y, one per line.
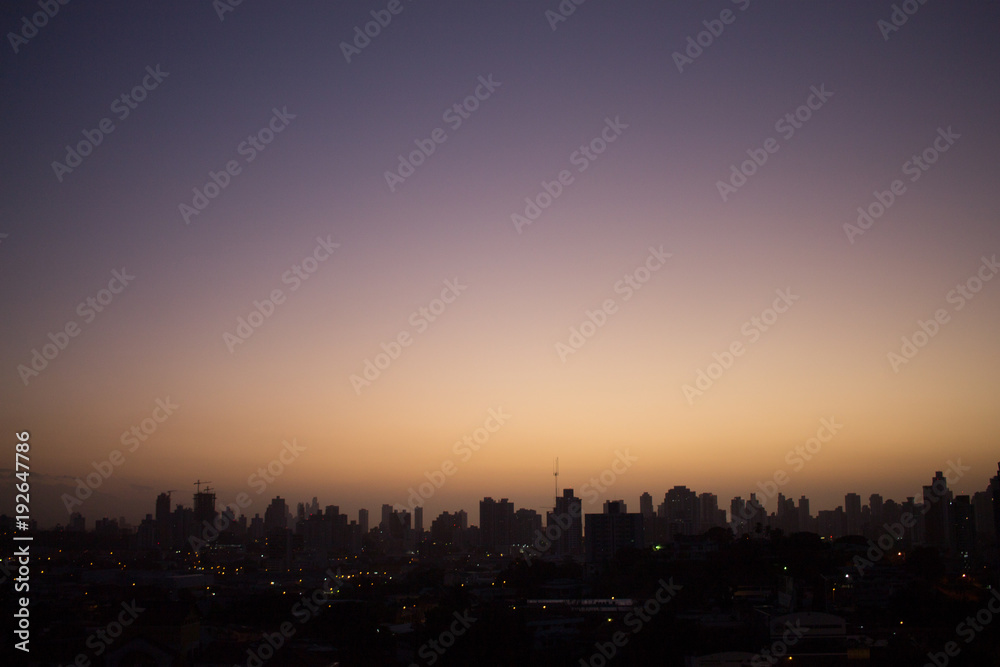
pixel 561 320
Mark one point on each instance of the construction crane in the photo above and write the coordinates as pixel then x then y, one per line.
pixel 199 483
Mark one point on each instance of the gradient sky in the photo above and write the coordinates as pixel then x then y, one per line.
pixel 495 345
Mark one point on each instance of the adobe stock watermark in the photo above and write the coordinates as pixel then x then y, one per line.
pixel 249 148
pixel 464 449
pixel 223 7
pixel 914 168
pixel 122 107
pixel 797 458
pixel 432 650
pixel 629 284
pixel 454 116
pixel 581 158
pixel 102 639
pixel 37 21
pixel 886 542
pixel 133 439
pixel 968 629
pixel 779 647
pixel 381 18
pixel 752 330
pixel 635 620
pixel 926 330
pixel 308 607
pixel 900 14
pixel 87 310
pixel 259 481
pixel 590 493
pixel 714 28
pixel 295 276
pixel 562 12
pixel 420 320
pixel 786 126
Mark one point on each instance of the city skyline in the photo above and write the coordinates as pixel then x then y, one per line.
pixel 488 236
pixel 514 332
pixel 767 495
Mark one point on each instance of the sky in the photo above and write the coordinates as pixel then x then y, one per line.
pixel 688 236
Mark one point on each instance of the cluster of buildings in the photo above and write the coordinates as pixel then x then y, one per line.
pixel 961 525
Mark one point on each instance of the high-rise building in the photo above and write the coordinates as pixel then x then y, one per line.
pixel 566 521
pixel 444 528
pixel 256 530
pixel 982 509
pixel 496 524
pixel 737 519
pixel 963 527
pixel 937 524
pixel 163 507
pixel 875 508
pixel 708 512
pixel 614 507
pixel 612 531
pixel 276 515
pixel 363 521
pixel 204 508
pixel 995 488
pixel 682 510
pixel 400 524
pixel 912 533
pixel 146 535
pixel 646 505
pixel 805 518
pixel 418 520
pixel 164 523
pixel 527 524
pixel 852 514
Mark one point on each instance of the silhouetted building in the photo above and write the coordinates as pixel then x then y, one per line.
pixel 682 511
pixel 937 524
pixel 982 509
pixel 566 522
pixel 963 527
pixel 204 508
pixel 256 531
pixel 614 506
pixel 709 513
pixel 496 523
pixel 612 531
pixel 276 515
pixel 875 511
pixel 646 506
pixel 164 523
pixel 805 518
pixel 852 514
pixel 527 524
pixel 444 528
pixel 995 488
